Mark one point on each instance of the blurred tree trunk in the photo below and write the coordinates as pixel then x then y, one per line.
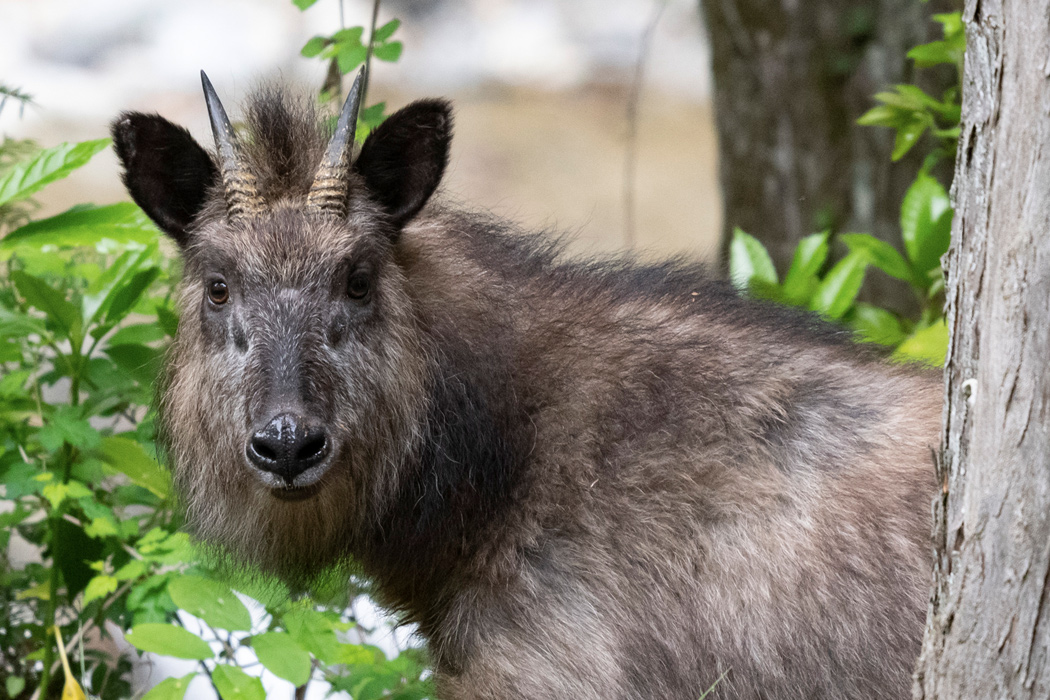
pixel 988 631
pixel 791 78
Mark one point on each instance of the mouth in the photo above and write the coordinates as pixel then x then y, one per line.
pixel 295 493
pixel 302 487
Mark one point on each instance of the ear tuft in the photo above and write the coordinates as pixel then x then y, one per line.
pixel 402 161
pixel 166 172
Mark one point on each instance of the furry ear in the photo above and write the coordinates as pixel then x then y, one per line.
pixel 166 172
pixel 403 160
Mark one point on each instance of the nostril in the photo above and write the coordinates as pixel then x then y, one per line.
pixel 312 448
pixel 264 450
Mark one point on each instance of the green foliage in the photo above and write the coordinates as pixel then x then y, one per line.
pixel 85 313
pixel 912 112
pixel 926 219
pixel 345 51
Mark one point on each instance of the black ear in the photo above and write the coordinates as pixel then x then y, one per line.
pixel 166 172
pixel 403 160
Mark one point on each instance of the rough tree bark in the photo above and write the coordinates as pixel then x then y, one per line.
pixel 988 631
pixel 791 78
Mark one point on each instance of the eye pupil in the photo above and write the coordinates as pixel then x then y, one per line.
pixel 218 292
pixel 358 286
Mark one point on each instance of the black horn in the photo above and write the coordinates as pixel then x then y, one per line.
pixel 331 183
pixel 243 200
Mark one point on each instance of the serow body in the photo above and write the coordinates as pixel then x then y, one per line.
pixel 580 479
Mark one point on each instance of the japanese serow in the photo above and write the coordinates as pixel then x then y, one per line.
pixel 580 479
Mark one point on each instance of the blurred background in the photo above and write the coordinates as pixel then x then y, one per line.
pixel 544 92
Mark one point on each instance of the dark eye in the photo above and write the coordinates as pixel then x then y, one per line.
pixel 358 286
pixel 218 292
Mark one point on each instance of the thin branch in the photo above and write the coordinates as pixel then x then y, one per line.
pixel 631 152
pixel 368 55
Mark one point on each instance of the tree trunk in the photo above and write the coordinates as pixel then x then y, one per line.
pixel 791 78
pixel 988 631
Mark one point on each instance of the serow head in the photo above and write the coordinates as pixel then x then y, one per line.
pixel 296 380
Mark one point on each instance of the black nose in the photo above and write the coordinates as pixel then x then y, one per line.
pixel 287 446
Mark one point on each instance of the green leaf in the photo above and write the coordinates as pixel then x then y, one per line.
pixel 22 479
pixel 881 254
pixel 102 527
pixel 390 51
pixel 351 36
pixel 838 289
pixel 304 4
pixel 49 165
pixel 951 23
pixel 13 383
pixel 128 294
pixel 234 684
pixel 350 56
pixel 875 325
pixel 123 223
pixel 314 46
pixel 129 458
pixel 934 53
pixel 908 135
pixel 386 31
pixel 138 334
pixel 884 115
pixel 15 324
pixel 99 587
pixel 314 633
pixel 749 260
pixel 103 292
pixel 14 685
pixel 66 425
pixel 132 570
pixel 284 658
pixel 168 320
pixel 168 640
pixel 170 688
pixel 926 224
pixel 928 345
pixel 140 362
pixel 43 297
pixel 211 601
pixel 810 255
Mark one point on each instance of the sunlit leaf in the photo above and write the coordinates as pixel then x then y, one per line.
pixel 748 259
pixel 283 656
pixel 99 587
pixel 386 31
pixel 838 289
pixel 122 223
pixel 211 601
pixel 928 345
pixel 49 165
pixel 129 458
pixel 170 688
pixel 875 325
pixel 926 224
pixel 390 51
pixel 810 255
pixel 40 295
pixel 881 254
pixel 234 684
pixel 168 640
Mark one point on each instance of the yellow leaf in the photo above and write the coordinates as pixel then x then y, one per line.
pixel 71 690
pixel 41 591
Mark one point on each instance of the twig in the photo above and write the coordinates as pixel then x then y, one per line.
pixel 631 154
pixel 368 54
